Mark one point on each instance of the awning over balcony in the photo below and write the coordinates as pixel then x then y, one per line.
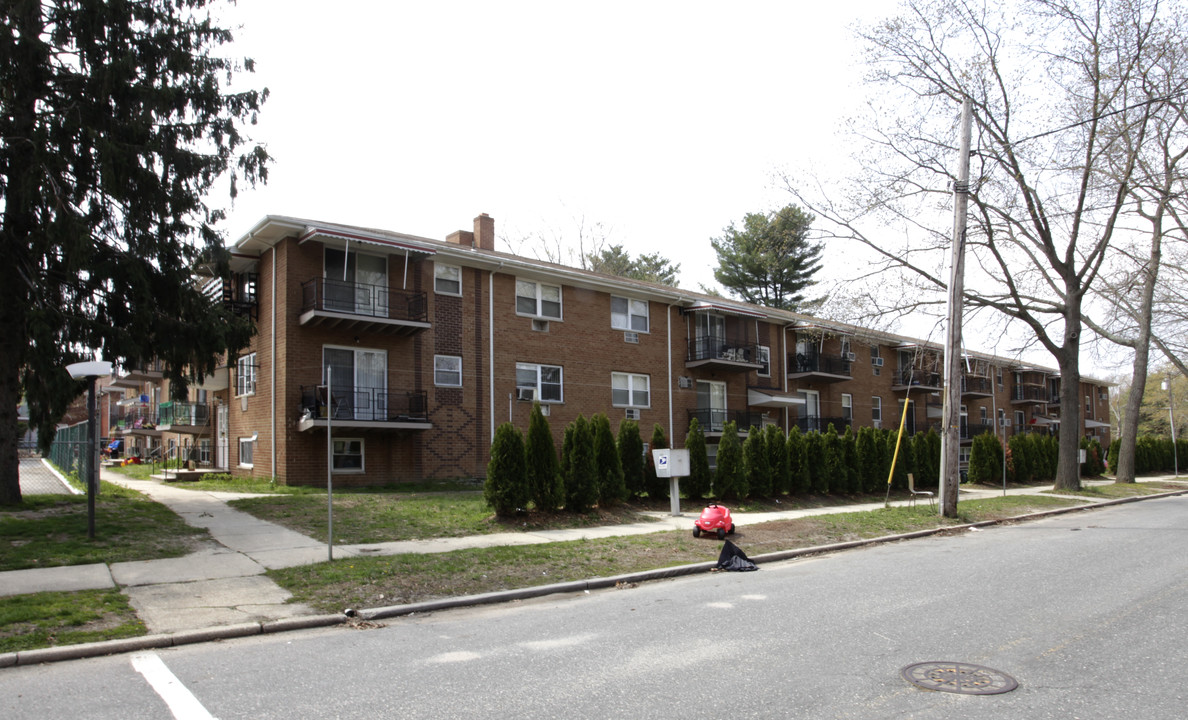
pixel 340 238
pixel 1095 424
pixel 763 398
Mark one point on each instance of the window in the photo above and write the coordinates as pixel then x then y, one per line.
pixel 998 371
pixel 876 360
pixel 246 446
pixel 711 405
pixel 628 390
pixel 845 348
pixel 876 409
pixel 764 359
pixel 204 445
pixel 447 279
pixel 348 455
pixel 1001 417
pixel 447 371
pixel 544 379
pixel 245 375
pixel 985 414
pixel 627 314
pixel 537 300
pixel 1088 406
pixel 847 406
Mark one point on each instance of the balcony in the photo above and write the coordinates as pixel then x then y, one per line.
pixel 969 430
pixel 821 424
pixel 972 386
pixel 348 305
pixel 814 367
pixel 723 354
pixel 133 378
pixel 917 380
pixel 183 417
pixel 137 420
pixel 363 408
pixel 1030 394
pixel 713 421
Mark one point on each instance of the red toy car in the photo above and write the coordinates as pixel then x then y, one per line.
pixel 714 518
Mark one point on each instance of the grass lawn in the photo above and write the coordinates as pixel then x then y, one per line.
pixel 65 618
pixel 1122 490
pixel 393 580
pixel 51 530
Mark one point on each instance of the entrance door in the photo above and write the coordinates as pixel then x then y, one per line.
pixel 222 441
pixel 359 381
pixel 711 405
pixel 811 410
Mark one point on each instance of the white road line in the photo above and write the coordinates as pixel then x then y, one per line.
pixel 181 701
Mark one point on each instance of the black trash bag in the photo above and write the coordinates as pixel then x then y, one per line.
pixel 734 560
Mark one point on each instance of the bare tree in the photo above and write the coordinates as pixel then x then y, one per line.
pixel 1051 179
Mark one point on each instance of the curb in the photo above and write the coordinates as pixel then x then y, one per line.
pixel 307 622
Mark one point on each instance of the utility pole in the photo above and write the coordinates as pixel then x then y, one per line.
pixel 951 414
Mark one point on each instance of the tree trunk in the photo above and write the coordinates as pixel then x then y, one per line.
pixel 1068 467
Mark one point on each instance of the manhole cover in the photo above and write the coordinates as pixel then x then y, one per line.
pixel 956 677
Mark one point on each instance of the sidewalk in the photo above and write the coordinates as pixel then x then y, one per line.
pixel 225 585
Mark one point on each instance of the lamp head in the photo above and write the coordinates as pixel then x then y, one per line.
pixel 91 369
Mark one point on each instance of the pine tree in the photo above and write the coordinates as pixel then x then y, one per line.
pixel 868 463
pixel 833 476
pixel 777 458
pixel 581 479
pixel 730 481
pixel 118 124
pixel 506 487
pixel 611 488
pixel 544 478
pixel 985 459
pixel 697 485
pixel 771 260
pixel 798 462
pixel 756 465
pixel 657 487
pixel 849 445
pixel 631 457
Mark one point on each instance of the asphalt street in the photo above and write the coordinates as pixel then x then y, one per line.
pixel 1085 611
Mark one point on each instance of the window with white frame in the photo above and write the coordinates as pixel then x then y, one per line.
pixel 876 409
pixel 764 357
pixel 538 300
pixel 845 346
pixel 628 314
pixel 245 375
pixel 447 371
pixel 876 360
pixel 348 455
pixel 630 390
pixel 545 380
pixel 847 406
pixel 246 450
pixel 1020 419
pixel 447 279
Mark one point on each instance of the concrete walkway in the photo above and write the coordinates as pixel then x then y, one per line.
pixel 224 584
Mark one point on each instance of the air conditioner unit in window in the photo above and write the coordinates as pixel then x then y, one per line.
pixel 540 325
pixel 631 337
pixel 526 394
pixel 632 413
pixel 876 361
pixel 851 357
pixel 544 410
pixel 684 381
pixel 1004 422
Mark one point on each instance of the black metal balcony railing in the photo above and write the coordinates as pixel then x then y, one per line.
pixel 719 348
pixel 367 404
pixel 821 424
pixel 977 385
pixel 918 377
pixel 362 299
pixel 713 420
pixel 1033 393
pixel 816 363
pixel 969 430
pixel 183 413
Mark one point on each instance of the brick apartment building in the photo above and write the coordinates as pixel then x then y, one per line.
pixel 428 346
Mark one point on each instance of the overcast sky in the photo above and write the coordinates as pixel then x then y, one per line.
pixel 662 121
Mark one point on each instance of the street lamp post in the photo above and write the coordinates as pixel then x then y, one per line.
pixel 1171 418
pixel 91 372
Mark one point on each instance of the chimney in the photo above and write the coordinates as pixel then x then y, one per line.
pixel 484 232
pixel 465 238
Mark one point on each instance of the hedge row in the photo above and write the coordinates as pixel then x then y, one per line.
pixel 1152 454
